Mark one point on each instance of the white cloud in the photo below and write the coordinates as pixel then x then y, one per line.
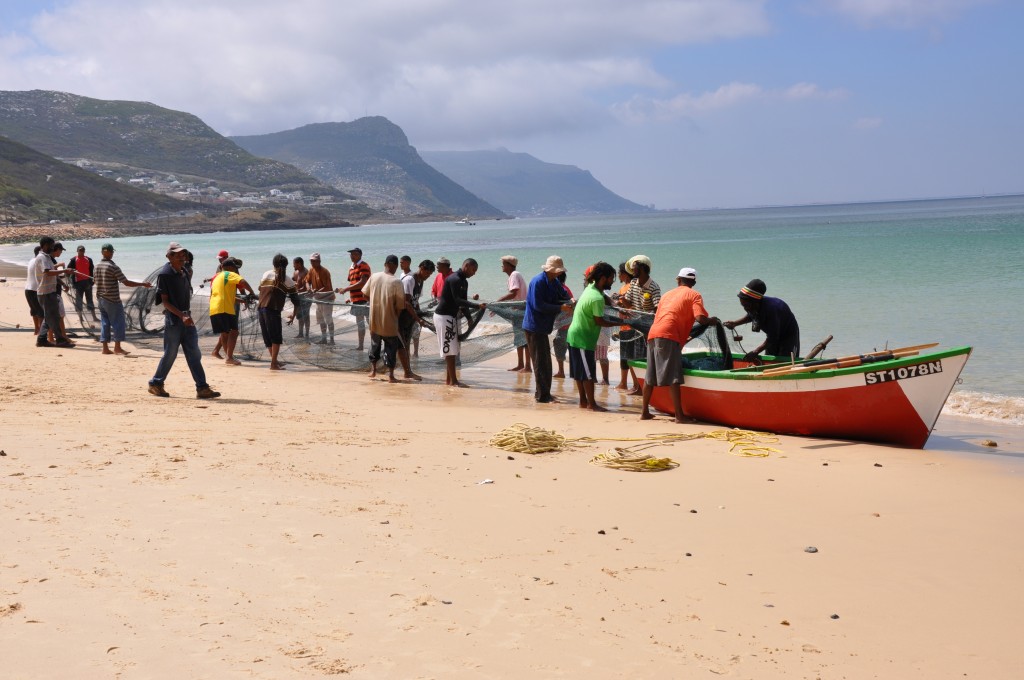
pixel 901 13
pixel 640 109
pixel 446 70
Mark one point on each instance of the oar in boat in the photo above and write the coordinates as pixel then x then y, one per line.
pixel 775 370
pixel 847 362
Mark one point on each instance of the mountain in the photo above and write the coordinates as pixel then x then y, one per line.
pixel 141 137
pixel 34 186
pixel 525 186
pixel 370 158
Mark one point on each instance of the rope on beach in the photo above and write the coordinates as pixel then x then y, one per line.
pixel 521 438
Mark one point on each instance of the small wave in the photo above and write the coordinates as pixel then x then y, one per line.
pixel 991 407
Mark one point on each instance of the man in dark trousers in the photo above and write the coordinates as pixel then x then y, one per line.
pixel 545 299
pixel 82 265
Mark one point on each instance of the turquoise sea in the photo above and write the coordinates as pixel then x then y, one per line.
pixel 870 274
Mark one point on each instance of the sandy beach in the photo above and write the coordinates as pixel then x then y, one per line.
pixel 312 523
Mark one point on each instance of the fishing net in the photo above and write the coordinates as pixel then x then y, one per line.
pixel 484 334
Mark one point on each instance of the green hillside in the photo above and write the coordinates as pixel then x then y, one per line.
pixel 143 137
pixel 35 187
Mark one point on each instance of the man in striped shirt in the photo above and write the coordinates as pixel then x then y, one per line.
pixel 108 294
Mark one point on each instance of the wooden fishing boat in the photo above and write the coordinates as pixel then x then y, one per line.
pixel 892 397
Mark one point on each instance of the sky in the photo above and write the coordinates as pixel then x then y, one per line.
pixel 683 104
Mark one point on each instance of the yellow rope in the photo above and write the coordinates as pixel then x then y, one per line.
pixel 521 438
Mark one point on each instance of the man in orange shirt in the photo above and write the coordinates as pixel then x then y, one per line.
pixel 318 282
pixel 358 275
pixel 677 311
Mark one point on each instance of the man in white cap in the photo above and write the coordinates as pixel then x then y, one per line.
pixel 677 311
pixel 516 292
pixel 174 291
pixel 545 299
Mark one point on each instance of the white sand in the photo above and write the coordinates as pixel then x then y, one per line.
pixel 314 523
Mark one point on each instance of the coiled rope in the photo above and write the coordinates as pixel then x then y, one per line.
pixel 521 438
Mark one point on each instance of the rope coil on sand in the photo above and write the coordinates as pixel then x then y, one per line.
pixel 521 438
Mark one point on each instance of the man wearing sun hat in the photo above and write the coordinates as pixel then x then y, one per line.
pixel 771 316
pixel 545 299
pixel 678 310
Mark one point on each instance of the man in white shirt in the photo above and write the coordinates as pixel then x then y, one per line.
pixel 46 272
pixel 516 293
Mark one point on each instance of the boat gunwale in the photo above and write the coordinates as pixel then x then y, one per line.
pixel 899 362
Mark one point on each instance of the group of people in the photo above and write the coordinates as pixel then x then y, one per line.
pixel 388 304
pixel 678 314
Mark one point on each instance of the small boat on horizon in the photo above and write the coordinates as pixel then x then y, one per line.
pixel 465 220
pixel 890 397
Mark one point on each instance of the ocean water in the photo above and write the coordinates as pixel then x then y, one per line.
pixel 873 275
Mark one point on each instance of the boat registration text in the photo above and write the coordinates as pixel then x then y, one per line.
pixel 902 373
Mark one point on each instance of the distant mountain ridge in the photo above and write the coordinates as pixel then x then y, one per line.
pixel 372 159
pixel 524 186
pixel 34 186
pixel 142 137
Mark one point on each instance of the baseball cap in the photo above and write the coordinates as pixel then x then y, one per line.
pixel 174 247
pixel 687 273
pixel 222 254
pixel 356 250
pixel 315 256
pixel 108 246
pixel 444 260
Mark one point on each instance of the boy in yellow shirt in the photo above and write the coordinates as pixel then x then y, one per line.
pixel 223 314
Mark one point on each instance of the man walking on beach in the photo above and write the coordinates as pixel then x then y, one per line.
pixel 84 270
pixel 454 301
pixel 108 294
pixel 175 292
pixel 545 299
pixel 318 282
pixel 516 293
pixel 677 311
pixel 358 275
pixel 587 322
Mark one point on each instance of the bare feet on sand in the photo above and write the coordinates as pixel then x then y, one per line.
pixel 232 362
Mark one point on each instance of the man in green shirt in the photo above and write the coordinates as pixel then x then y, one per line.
pixel 587 321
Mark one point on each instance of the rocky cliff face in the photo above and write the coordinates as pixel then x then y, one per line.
pixel 372 159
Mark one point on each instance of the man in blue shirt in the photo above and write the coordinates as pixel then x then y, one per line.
pixel 545 299
pixel 771 316
pixel 174 290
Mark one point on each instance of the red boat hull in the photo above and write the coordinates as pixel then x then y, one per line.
pixel 837 404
